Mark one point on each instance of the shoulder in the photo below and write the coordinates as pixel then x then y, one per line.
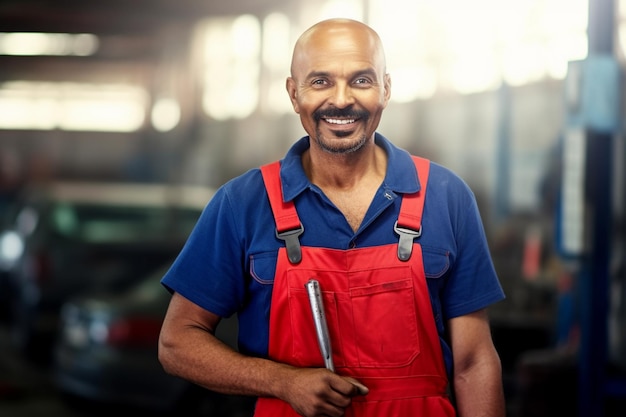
pixel 445 188
pixel 441 176
pixel 243 183
pixel 237 203
pixel 247 187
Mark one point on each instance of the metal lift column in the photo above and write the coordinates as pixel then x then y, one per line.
pixel 601 108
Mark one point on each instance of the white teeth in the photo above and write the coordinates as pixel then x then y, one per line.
pixel 340 121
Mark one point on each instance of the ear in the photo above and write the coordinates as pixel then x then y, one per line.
pixel 387 87
pixel 292 90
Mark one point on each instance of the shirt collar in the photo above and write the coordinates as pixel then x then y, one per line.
pixel 401 176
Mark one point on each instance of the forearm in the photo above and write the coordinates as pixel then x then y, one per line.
pixel 204 360
pixel 479 391
pixel 189 349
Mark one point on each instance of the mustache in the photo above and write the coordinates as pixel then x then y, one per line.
pixel 335 113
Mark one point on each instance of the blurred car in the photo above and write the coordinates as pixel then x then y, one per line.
pixel 67 237
pixel 107 352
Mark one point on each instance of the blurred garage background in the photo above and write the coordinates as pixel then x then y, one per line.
pixel 522 98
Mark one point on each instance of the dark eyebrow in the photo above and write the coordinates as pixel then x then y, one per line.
pixel 317 74
pixel 324 74
pixel 369 71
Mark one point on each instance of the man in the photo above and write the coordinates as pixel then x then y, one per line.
pixel 404 294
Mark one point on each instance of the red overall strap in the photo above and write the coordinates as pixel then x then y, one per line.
pixel 409 224
pixel 284 211
pixel 413 204
pixel 288 226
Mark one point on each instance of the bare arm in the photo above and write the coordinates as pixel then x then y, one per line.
pixel 189 349
pixel 477 368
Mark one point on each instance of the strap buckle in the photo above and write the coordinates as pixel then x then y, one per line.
pixel 292 243
pixel 405 244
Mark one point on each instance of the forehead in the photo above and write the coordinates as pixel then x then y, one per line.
pixel 338 48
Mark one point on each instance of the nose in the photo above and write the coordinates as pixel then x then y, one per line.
pixel 342 95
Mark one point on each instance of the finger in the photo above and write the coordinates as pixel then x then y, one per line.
pixel 360 388
pixel 349 387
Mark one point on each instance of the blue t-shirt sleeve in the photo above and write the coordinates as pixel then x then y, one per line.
pixel 473 283
pixel 209 269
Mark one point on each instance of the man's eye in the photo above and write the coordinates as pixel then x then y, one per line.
pixel 318 82
pixel 361 81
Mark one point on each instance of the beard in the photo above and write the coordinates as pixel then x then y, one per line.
pixel 343 146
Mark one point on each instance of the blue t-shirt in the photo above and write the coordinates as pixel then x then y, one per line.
pixel 227 265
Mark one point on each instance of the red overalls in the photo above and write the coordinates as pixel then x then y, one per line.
pixel 378 311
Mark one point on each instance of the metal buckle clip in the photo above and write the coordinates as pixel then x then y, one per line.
pixel 292 243
pixel 405 244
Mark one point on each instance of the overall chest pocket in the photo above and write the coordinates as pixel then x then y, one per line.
pixel 383 313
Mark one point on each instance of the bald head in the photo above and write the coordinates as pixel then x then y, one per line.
pixel 337 34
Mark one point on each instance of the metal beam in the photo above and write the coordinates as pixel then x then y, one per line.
pixel 595 274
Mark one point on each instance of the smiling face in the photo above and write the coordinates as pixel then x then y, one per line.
pixel 338 84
